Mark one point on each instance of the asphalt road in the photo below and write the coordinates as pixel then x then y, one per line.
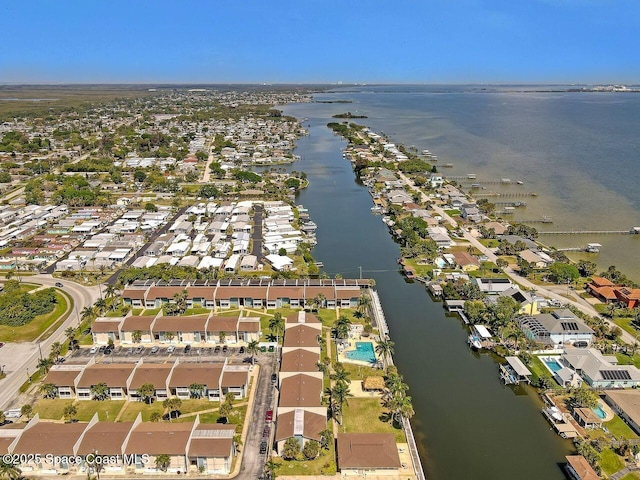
pixel 82 297
pixel 253 462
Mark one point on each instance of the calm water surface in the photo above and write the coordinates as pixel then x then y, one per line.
pixel 468 426
pixel 580 152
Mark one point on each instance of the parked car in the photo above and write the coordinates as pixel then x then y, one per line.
pixel 93 350
pixel 1 344
pixel 139 350
pixel 155 349
pixel 102 349
pixel 59 284
pixel 217 349
pixel 187 349
pixel 263 448
pixel 242 349
pixel 269 416
pixel 225 349
pixel 171 349
pixel 130 351
pixel 265 432
pixel 108 350
pixel 274 378
pixel 271 348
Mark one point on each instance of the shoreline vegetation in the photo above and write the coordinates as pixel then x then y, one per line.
pixel 403 183
pixel 348 115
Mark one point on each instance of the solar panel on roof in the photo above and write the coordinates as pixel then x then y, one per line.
pixel 569 326
pixel 615 374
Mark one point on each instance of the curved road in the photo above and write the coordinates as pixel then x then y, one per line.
pixel 512 274
pixel 82 297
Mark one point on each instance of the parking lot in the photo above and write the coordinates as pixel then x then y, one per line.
pixel 157 352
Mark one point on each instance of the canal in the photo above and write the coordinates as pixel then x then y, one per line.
pixel 467 424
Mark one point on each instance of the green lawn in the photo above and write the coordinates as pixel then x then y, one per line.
pixel 51 409
pixel 107 410
pixel 489 242
pixel 38 325
pixel 357 372
pixel 610 462
pixel 197 311
pixel 325 464
pixel 362 415
pixel 420 269
pixel 624 323
pixel 133 408
pixel 624 359
pixel 631 476
pixel 620 429
pixel 539 370
pixel 150 311
pixel 137 311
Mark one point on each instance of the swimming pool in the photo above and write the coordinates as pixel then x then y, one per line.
pixel 364 352
pixel 552 364
pixel 600 412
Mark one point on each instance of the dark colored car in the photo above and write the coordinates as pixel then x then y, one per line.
pixel 269 416
pixel 225 349
pixel 274 378
pixel 217 349
pixel 242 349
pixel 102 349
pixel 263 448
pixel 265 432
pixel 187 349
pixel 59 285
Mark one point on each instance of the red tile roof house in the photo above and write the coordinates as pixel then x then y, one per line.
pixel 608 292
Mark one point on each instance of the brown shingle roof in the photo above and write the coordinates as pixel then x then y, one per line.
pixel 582 467
pixel 367 450
pixel 185 374
pixel 235 379
pixel 313 424
pixel 194 323
pixel 249 325
pixel 211 440
pixel 300 391
pixel 299 360
pixel 285 292
pixel 114 375
pixel 137 322
pixel 311 292
pixel 106 325
pixel 301 336
pixel 347 293
pixel 134 293
pixel 163 292
pixel 153 373
pixel 53 438
pixel 226 293
pixel 159 438
pixel 105 437
pixel 306 318
pixel 222 324
pixel 63 375
pixel 201 292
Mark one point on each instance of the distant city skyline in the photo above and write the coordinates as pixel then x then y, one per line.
pixel 436 41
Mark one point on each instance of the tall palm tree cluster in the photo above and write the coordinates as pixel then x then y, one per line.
pixel 341 328
pixel 339 392
pixel 395 397
pixel 276 325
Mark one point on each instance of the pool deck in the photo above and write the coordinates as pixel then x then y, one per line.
pixel 352 346
pixel 607 410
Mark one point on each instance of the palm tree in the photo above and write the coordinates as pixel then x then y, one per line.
pixel 270 468
pixel 101 305
pixel 88 312
pixel 48 390
pixel 44 365
pixel 163 461
pixel 56 350
pixel 196 390
pixel 318 301
pixel 70 333
pixel 168 336
pixel 385 349
pixel 339 394
pixel 180 299
pixel 172 404
pixel 100 391
pixel 9 470
pixel 222 336
pixel 147 391
pixel 339 373
pixel 253 349
pixel 136 336
pixel 69 412
pixel 364 302
pixel 276 325
pixel 341 330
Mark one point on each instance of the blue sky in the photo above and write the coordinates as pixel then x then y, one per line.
pixel 276 41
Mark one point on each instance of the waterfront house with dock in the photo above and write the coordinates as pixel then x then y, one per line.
pixel 514 371
pixel 367 454
pixel 600 371
pixel 561 327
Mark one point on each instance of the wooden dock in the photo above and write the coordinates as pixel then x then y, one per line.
pixel 507 195
pixel 588 232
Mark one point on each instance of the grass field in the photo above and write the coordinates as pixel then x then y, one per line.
pixel 51 409
pixel 107 410
pixel 362 415
pixel 610 462
pixel 325 464
pixel 38 325
pixel 620 429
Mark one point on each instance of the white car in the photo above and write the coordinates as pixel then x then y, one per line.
pixel 93 350
pixel 171 348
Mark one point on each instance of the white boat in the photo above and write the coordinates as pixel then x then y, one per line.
pixel 479 333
